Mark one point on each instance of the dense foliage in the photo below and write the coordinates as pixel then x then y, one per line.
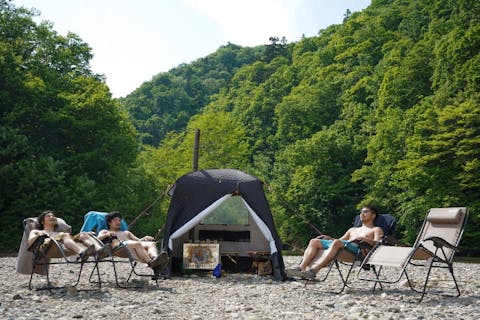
pixel 383 109
pixel 167 102
pixel 66 144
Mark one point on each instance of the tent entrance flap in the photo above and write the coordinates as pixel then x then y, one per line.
pixel 247 233
pixel 195 220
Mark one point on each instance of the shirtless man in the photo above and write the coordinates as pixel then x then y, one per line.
pixel 145 248
pixel 366 233
pixel 47 225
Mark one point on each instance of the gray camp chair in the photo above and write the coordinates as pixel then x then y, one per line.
pixel 435 247
pixel 45 252
pixel 349 259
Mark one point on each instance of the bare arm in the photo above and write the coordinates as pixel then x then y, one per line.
pixel 346 236
pixel 34 234
pixel 131 236
pixel 104 234
pixel 377 236
pixel 324 236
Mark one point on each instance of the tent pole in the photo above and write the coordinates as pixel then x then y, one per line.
pixel 145 211
pixel 196 146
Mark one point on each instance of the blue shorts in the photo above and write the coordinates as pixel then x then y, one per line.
pixel 352 247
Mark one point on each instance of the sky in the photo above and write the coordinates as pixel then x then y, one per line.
pixel 133 40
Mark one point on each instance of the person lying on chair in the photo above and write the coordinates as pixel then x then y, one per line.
pixel 47 226
pixel 367 233
pixel 145 248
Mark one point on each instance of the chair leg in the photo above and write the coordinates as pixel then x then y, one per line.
pixel 427 277
pixel 344 279
pixel 116 275
pixel 99 281
pixel 91 274
pixel 377 275
pixel 115 272
pixel 30 286
pixel 132 271
pixel 49 286
pixel 330 266
pixel 47 274
pixel 450 269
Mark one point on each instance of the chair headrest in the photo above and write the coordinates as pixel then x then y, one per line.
pixel 445 215
pixel 62 226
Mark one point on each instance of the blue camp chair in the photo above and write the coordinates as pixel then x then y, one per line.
pixel 96 221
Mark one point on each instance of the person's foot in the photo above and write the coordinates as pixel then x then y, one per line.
pixel 90 251
pixel 308 274
pixel 104 252
pixel 294 272
pixel 297 272
pixel 159 262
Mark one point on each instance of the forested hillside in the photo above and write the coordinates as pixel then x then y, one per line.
pixel 167 102
pixel 381 109
pixel 384 109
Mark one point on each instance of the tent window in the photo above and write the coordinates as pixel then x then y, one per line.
pixel 222 235
pixel 232 212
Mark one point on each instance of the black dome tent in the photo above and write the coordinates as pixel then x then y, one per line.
pixel 196 197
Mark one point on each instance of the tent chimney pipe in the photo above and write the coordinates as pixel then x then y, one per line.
pixel 196 146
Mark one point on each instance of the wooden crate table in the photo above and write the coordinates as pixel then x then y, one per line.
pixel 261 262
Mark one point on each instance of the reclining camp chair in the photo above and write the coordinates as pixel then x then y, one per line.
pixel 44 252
pixel 435 246
pixel 348 258
pixel 96 221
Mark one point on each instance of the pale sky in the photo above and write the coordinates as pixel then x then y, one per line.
pixel 133 40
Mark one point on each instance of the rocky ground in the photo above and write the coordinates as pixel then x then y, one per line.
pixel 233 296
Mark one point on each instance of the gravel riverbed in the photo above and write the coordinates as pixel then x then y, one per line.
pixel 233 296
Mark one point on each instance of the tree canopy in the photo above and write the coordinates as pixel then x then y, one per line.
pixel 66 144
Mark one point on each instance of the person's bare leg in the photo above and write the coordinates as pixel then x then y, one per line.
pixel 87 240
pixel 310 253
pixel 326 258
pixel 151 248
pixel 139 250
pixel 71 245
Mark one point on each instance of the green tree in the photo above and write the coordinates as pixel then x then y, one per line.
pixel 66 144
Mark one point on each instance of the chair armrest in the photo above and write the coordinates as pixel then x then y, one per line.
pixel 107 239
pixel 439 242
pixel 392 241
pixel 362 244
pixel 38 242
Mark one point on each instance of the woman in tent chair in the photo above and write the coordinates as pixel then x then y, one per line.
pixel 47 227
